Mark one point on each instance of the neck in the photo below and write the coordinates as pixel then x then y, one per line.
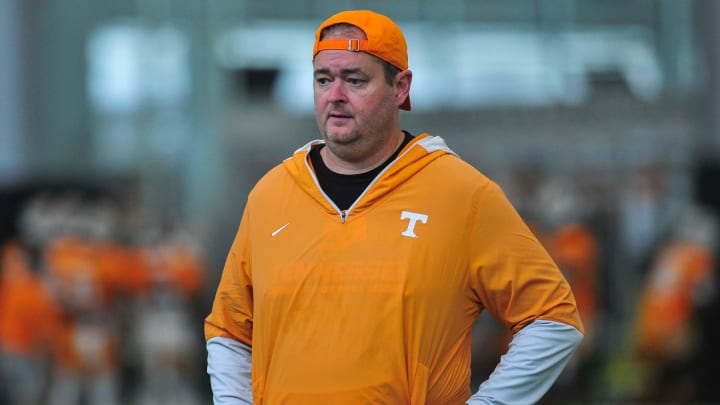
pixel 343 165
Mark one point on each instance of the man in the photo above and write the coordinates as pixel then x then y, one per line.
pixel 362 261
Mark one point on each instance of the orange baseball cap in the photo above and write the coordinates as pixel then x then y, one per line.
pixel 384 39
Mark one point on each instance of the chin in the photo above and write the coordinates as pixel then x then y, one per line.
pixel 340 137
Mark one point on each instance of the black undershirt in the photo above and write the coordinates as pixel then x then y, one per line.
pixel 344 189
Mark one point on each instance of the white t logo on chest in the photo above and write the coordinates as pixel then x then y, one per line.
pixel 414 217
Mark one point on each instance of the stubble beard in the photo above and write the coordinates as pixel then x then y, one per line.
pixel 347 146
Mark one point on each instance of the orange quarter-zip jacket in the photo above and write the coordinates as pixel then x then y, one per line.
pixel 376 304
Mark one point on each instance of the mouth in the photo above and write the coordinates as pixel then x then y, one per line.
pixel 339 115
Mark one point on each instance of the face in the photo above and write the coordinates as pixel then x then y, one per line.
pixel 355 108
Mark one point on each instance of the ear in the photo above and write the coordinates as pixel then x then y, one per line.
pixel 403 80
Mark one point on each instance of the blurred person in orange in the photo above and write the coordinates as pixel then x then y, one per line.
pixel 29 321
pixel 362 261
pixel 86 350
pixel 679 282
pixel 163 325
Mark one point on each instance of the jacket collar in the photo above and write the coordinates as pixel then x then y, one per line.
pixel 417 154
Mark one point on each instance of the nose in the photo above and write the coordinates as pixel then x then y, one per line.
pixel 336 93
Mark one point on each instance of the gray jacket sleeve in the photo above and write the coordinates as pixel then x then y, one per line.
pixel 535 358
pixel 230 370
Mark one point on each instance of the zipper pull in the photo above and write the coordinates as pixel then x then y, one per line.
pixel 343 216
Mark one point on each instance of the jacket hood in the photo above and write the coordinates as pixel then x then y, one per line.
pixel 417 154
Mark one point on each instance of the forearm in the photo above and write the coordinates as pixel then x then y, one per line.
pixel 536 356
pixel 230 370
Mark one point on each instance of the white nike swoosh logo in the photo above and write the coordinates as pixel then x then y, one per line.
pixel 277 231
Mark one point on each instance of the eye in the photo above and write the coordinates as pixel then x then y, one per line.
pixel 321 81
pixel 355 81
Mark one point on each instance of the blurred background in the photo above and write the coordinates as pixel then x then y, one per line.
pixel 131 133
